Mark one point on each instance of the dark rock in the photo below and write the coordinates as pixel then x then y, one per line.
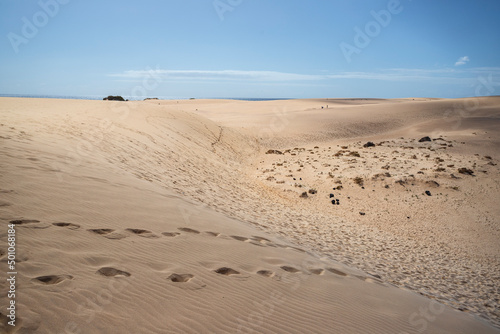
pixel 362 213
pixel 338 202
pixel 369 144
pixel 312 191
pixel 333 202
pixel 304 195
pixel 428 193
pixel 274 152
pixel 113 98
pixel 331 195
pixel 424 139
pixel 465 171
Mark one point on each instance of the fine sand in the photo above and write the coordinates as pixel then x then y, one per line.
pixel 190 216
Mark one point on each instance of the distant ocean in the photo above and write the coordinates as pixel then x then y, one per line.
pixel 133 98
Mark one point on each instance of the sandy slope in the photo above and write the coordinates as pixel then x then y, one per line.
pixel 168 216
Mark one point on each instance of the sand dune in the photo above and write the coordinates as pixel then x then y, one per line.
pixel 169 216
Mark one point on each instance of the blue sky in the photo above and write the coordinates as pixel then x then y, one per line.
pixel 250 48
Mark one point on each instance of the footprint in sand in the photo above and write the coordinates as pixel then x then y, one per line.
pixel 371 279
pixel 297 249
pixel 188 230
pixel 291 247
pixel 260 239
pixel 227 271
pixel 29 223
pixel 112 272
pixel 317 271
pixel 180 278
pixel 236 237
pixel 70 226
pixel 115 236
pixel 170 234
pixel 51 279
pixel 255 243
pixel 213 234
pixel 108 233
pixel 375 281
pixel 336 272
pixel 142 233
pixel 101 231
pixel 266 273
pixel 290 269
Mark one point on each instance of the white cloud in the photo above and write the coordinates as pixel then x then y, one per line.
pixel 219 75
pixel 448 75
pixel 399 74
pixel 462 61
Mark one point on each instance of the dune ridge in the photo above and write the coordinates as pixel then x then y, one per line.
pixel 172 211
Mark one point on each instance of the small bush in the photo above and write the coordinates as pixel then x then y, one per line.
pixel 355 154
pixel 114 98
pixel 359 181
pixel 274 152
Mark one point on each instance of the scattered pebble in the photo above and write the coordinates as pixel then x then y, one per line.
pixel 466 171
pixel 274 152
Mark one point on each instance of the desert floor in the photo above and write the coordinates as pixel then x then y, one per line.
pixel 216 216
